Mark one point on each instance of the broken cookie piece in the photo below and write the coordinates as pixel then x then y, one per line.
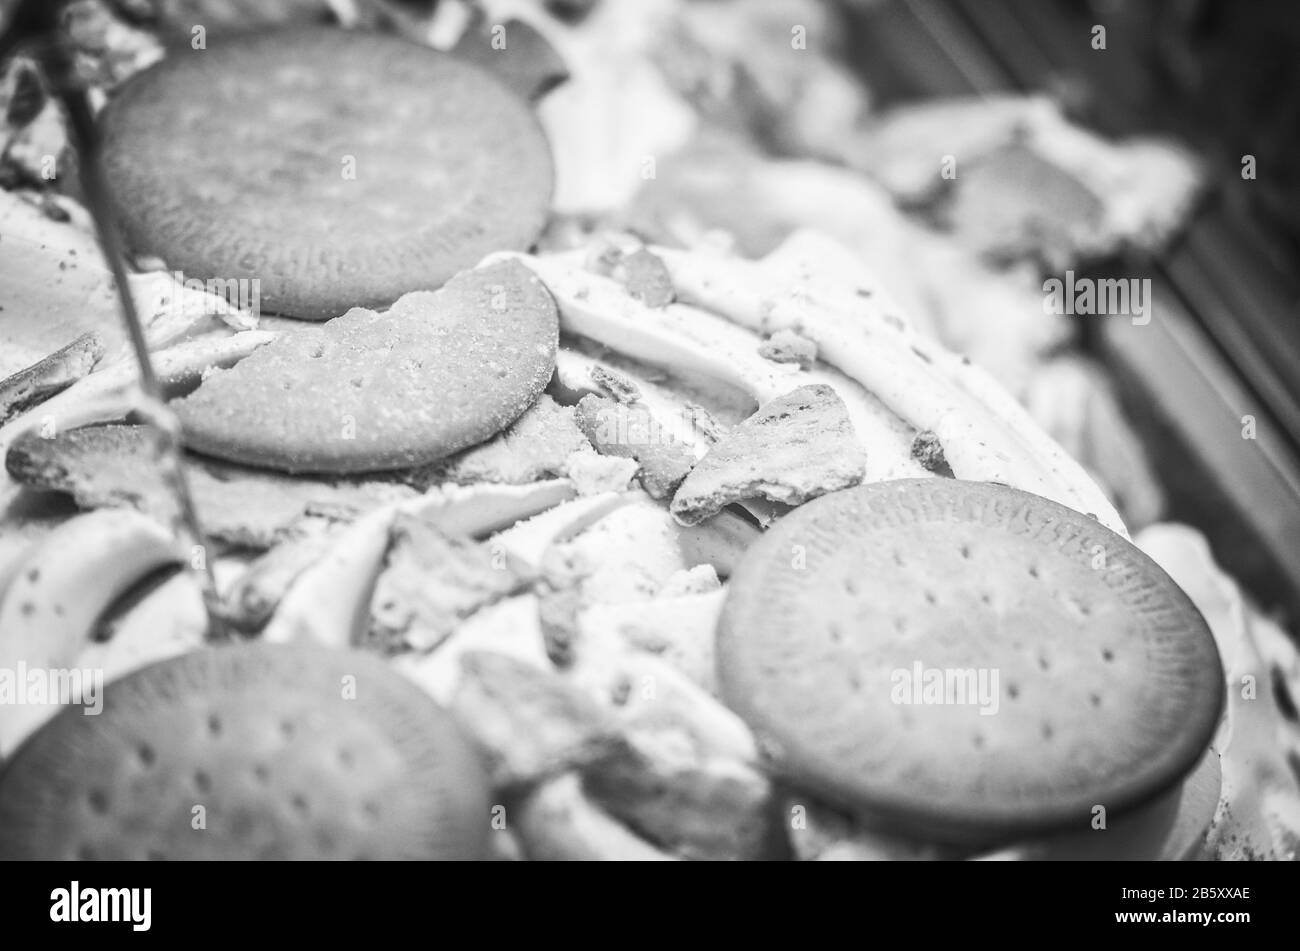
pixel 616 384
pixel 647 279
pixel 928 451
pixel 116 466
pixel 795 448
pixel 43 379
pixel 633 432
pixel 431 582
pixel 786 346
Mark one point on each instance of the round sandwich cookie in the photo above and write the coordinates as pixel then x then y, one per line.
pixel 966 662
pixel 437 372
pixel 249 752
pixel 335 168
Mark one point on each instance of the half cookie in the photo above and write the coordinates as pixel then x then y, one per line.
pixel 437 372
pixel 336 168
pixel 966 661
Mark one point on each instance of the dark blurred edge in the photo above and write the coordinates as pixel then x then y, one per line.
pixel 1224 77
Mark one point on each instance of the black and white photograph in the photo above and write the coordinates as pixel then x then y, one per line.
pixel 651 430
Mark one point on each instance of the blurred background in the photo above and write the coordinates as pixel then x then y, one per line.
pixel 1224 78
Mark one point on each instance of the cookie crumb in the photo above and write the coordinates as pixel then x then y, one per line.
pixel 786 346
pixel 647 279
pixel 615 384
pixel 928 451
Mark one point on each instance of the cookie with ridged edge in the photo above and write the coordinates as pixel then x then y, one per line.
pixel 965 661
pixel 367 391
pixel 337 168
pixel 285 752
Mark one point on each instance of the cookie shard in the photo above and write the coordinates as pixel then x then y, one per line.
pixel 928 451
pixel 647 279
pixel 786 346
pixel 436 373
pixel 965 662
pixel 116 466
pixel 431 582
pixel 794 448
pixel 32 385
pixel 631 431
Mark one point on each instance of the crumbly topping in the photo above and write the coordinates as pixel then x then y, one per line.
pixel 632 432
pixel 795 448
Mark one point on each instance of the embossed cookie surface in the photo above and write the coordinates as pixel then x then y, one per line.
pixel 337 168
pixel 285 752
pixel 965 660
pixel 437 372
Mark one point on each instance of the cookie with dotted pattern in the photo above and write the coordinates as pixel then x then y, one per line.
pixel 966 661
pixel 283 752
pixel 337 168
pixel 437 372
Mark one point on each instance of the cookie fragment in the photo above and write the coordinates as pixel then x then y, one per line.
pixel 632 432
pixel 116 466
pixel 646 277
pixel 55 373
pixel 431 582
pixel 794 448
pixel 928 451
pixel 617 385
pixel 786 346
